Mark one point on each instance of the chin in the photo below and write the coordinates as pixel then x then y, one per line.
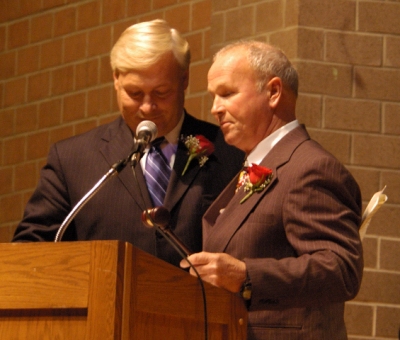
pixel 233 140
pixel 230 141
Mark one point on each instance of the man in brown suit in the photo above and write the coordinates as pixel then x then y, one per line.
pixel 287 237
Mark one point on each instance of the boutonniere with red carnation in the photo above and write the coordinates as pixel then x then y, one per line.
pixel 254 179
pixel 199 147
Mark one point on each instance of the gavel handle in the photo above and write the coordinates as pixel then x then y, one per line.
pixel 169 233
pixel 160 217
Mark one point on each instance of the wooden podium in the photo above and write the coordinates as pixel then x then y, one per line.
pixel 107 290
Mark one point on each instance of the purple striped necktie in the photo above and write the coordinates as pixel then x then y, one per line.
pixel 157 173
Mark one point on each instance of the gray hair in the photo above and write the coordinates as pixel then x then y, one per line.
pixel 142 44
pixel 267 61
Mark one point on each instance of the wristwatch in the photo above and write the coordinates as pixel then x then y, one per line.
pixel 245 291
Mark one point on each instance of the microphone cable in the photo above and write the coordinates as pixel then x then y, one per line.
pixel 180 252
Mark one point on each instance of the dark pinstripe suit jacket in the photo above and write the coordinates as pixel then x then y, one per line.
pixel 76 164
pixel 299 239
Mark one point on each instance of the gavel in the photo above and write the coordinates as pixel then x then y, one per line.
pixel 159 217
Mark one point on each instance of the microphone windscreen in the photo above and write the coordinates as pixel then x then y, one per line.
pixel 147 127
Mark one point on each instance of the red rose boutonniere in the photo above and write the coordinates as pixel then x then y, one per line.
pixel 199 147
pixel 255 180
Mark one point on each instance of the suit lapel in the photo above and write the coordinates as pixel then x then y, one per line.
pixel 224 220
pixel 118 144
pixel 220 228
pixel 179 184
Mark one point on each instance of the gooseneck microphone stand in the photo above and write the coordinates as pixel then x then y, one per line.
pixel 115 169
pixel 146 131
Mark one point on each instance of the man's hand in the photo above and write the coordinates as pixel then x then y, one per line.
pixel 219 269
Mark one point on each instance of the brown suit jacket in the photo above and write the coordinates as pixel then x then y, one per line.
pixel 299 239
pixel 76 164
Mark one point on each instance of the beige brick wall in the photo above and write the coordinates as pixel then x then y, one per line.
pixel 55 81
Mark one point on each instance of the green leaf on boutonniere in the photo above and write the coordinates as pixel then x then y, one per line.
pixel 199 147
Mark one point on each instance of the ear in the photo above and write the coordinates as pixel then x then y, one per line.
pixel 185 79
pixel 116 76
pixel 275 88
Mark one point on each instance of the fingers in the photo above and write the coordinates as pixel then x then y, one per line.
pixel 197 259
pixel 219 269
pixel 184 264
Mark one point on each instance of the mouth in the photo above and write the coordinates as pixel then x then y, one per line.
pixel 224 123
pixel 153 118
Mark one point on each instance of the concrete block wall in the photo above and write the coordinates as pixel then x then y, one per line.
pixel 55 82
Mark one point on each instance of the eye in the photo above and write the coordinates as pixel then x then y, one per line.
pixel 134 94
pixel 226 94
pixel 162 93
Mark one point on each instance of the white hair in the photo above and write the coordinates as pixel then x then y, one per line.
pixel 141 45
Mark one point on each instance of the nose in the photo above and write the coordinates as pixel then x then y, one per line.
pixel 147 104
pixel 217 108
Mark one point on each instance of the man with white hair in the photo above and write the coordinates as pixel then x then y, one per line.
pixel 150 64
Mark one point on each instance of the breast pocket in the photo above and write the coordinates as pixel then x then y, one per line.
pixel 260 235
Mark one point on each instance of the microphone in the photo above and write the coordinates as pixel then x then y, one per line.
pixel 146 132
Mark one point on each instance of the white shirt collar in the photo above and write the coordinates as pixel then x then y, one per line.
pixel 173 136
pixel 265 146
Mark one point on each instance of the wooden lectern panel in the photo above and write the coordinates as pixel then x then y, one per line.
pixel 59 290
pixel 107 290
pixel 177 295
